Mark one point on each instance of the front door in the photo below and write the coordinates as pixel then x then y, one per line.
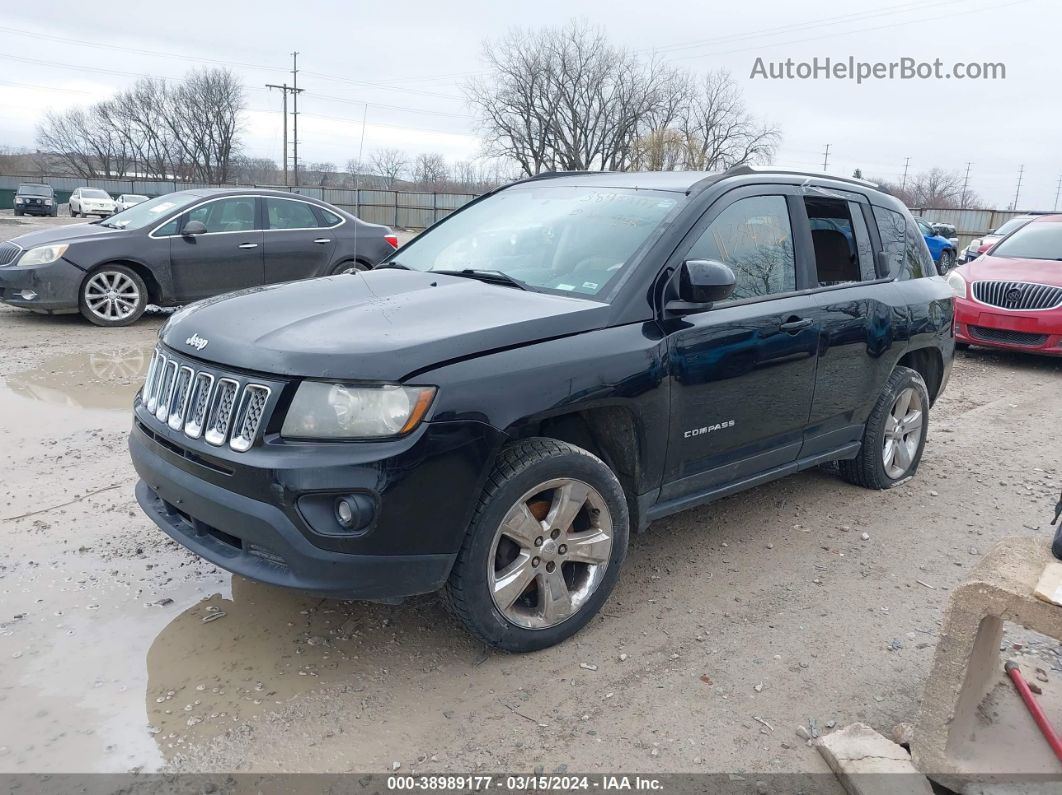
pixel 744 371
pixel 227 257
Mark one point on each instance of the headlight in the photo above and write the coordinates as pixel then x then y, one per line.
pixel 343 411
pixel 48 202
pixel 974 243
pixel 957 284
pixel 42 255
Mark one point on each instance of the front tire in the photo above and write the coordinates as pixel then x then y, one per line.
pixel 544 548
pixel 350 266
pixel 947 261
pixel 895 434
pixel 113 295
pixel 72 213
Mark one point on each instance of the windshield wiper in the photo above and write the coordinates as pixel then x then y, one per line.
pixel 392 264
pixel 493 277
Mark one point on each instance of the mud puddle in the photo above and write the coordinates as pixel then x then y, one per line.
pixel 99 380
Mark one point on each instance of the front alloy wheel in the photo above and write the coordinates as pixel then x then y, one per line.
pixel 113 296
pixel 544 548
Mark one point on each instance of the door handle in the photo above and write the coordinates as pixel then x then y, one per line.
pixel 248 245
pixel 794 324
pixel 323 240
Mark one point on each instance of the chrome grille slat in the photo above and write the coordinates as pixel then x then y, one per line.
pixel 181 392
pixel 9 252
pixel 198 404
pixel 1033 296
pixel 220 409
pixel 249 416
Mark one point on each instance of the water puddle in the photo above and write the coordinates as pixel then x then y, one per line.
pixel 102 380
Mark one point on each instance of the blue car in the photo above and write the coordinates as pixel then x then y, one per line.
pixel 942 249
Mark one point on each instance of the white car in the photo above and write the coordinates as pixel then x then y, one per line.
pixel 127 200
pixel 980 245
pixel 91 201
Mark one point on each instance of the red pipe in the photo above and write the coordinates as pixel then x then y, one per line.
pixel 1014 672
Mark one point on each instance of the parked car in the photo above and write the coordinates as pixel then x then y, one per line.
pixel 1011 297
pixel 562 361
pixel 127 200
pixel 33 199
pixel 980 245
pixel 946 230
pixel 941 249
pixel 182 247
pixel 90 201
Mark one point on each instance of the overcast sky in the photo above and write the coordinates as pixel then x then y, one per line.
pixel 407 60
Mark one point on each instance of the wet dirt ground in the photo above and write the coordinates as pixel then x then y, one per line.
pixel 731 625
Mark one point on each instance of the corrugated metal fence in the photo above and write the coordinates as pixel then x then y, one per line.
pixel 404 209
pixel 411 210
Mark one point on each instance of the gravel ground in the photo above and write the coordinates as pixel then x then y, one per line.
pixel 803 600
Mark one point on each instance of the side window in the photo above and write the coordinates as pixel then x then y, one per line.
pixel 754 237
pixel 893 230
pixel 327 218
pixel 834 238
pixel 169 228
pixel 919 260
pixel 285 214
pixel 225 215
pixel 867 266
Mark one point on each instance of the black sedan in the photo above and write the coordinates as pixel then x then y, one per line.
pixel 182 247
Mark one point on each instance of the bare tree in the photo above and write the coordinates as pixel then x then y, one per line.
pixel 430 170
pixel 566 98
pixel 934 188
pixel 389 164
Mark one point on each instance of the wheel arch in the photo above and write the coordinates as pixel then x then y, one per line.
pixel 929 363
pixel 150 280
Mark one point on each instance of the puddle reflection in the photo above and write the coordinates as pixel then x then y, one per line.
pixel 105 379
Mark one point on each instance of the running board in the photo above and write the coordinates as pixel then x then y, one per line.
pixel 662 509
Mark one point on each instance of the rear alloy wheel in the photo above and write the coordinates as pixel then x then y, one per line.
pixel 544 548
pixel 947 261
pixel 113 296
pixel 895 434
pixel 349 266
pixel 72 213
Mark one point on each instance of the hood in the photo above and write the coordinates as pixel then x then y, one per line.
pixel 1006 269
pixel 380 325
pixel 71 233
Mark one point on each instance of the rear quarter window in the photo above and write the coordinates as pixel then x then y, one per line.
pixel 905 248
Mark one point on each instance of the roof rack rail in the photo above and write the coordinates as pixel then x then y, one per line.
pixel 748 169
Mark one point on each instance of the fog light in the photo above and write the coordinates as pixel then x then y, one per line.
pixel 353 512
pixel 344 512
pixel 27 295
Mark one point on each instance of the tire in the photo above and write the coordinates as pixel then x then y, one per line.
pixel 72 213
pixel 870 469
pixel 531 481
pixel 18 213
pixel 55 212
pixel 113 295
pixel 350 266
pixel 947 261
pixel 962 346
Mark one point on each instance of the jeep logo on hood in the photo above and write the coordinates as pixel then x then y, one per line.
pixel 197 342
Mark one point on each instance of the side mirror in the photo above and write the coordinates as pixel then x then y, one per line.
pixel 697 285
pixel 193 228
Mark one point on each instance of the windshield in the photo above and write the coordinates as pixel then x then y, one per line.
pixel 34 190
pixel 1010 226
pixel 135 197
pixel 567 239
pixel 149 212
pixel 1040 240
pixel 93 193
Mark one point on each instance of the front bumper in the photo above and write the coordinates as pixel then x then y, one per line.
pixel 245 512
pixel 56 285
pixel 36 209
pixel 1033 332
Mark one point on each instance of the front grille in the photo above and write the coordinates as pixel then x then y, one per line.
pixel 8 252
pixel 219 409
pixel 1018 295
pixel 1006 335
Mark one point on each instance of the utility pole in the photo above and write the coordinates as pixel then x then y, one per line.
pixel 294 90
pixel 1021 170
pixel 826 157
pixel 1058 190
pixel 295 111
pixel 903 183
pixel 965 185
pixel 285 88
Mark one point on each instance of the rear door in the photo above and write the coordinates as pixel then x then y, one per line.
pixel 744 371
pixel 299 239
pixel 227 257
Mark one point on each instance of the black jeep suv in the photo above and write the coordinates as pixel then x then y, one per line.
pixel 560 362
pixel 31 199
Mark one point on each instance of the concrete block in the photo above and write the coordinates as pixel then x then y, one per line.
pixel 972 725
pixel 868 764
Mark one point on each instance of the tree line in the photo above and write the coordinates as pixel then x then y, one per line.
pixel 186 130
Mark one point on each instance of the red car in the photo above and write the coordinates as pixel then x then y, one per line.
pixel 1011 296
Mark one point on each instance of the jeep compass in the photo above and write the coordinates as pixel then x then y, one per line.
pixel 495 408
